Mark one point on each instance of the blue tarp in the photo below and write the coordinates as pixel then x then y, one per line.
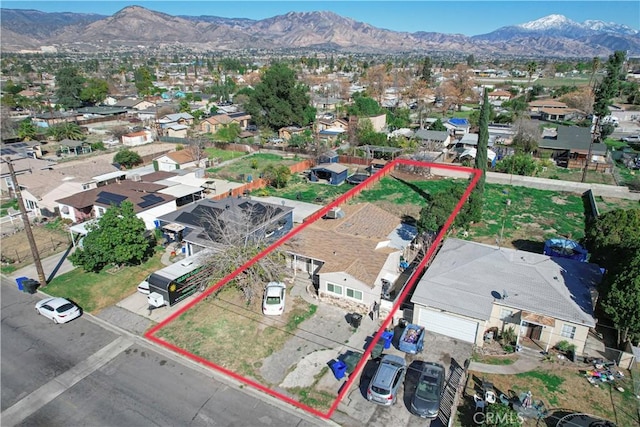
pixel 565 248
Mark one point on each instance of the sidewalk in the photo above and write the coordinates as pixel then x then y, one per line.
pixel 53 266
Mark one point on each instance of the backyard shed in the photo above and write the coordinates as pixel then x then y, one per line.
pixel 335 173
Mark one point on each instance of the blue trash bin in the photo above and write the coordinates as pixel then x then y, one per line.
pixel 387 336
pixel 339 369
pixel 20 282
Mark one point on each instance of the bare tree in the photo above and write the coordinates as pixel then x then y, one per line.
pixel 238 234
pixel 196 149
pixel 118 132
pixel 527 135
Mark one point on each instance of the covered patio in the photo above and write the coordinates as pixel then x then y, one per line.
pixel 534 330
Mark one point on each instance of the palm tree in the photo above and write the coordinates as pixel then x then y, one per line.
pixel 66 130
pixel 532 66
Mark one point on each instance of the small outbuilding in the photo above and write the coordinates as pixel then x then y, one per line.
pixel 334 173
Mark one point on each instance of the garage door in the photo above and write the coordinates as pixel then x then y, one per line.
pixel 445 324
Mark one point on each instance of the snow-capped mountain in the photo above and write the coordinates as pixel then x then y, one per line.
pixel 553 35
pixel 558 26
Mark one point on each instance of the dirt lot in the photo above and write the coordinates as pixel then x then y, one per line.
pixel 16 252
pixel 563 388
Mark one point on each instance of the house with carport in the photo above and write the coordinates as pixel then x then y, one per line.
pixel 351 256
pixel 471 287
pixel 210 223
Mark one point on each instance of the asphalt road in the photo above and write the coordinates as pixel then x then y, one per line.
pixel 81 374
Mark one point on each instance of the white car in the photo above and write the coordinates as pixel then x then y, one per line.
pixel 274 297
pixel 60 310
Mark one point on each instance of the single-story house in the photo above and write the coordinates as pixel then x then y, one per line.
pixel 175 119
pixel 148 202
pixel 323 103
pixel 335 173
pixel 180 159
pixel 557 114
pixel 497 97
pixel 134 104
pixel 114 113
pixel 216 122
pixel 41 188
pixel 351 257
pixel 22 164
pixel 137 138
pixel 433 139
pixel 569 145
pixel 176 130
pixel 537 105
pixel 471 287
pixel 208 223
pixel 71 147
pixel 328 157
pixel 287 132
pixel 457 126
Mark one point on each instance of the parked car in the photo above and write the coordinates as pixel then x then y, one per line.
pixel 631 138
pixel 383 388
pixel 274 298
pixel 426 399
pixel 60 310
pixel 252 128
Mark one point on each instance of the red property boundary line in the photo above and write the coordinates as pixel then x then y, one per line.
pixel 389 167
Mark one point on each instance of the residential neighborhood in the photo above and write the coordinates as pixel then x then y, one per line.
pixel 332 232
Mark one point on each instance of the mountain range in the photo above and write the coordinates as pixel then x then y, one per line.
pixel 135 26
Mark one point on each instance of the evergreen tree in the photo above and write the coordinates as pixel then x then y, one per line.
pixel 279 100
pixel 68 87
pixel 477 196
pixel 425 72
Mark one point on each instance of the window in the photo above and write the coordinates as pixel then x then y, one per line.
pixel 31 205
pixel 568 331
pixel 100 211
pixel 505 314
pixel 352 293
pixel 86 186
pixel 334 289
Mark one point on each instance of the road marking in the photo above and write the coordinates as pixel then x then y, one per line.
pixel 54 388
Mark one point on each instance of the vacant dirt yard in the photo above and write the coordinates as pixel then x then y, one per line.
pixel 564 389
pixel 16 252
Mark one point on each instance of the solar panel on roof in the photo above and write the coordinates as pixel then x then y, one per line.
pixel 150 200
pixel 110 198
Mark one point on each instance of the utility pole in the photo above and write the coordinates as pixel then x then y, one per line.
pixel 595 135
pixel 27 226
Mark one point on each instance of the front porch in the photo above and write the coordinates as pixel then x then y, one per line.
pixel 535 331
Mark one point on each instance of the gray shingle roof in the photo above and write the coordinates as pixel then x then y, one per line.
pixel 465 277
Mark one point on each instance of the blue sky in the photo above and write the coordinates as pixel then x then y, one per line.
pixel 464 17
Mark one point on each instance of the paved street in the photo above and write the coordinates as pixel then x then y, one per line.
pixel 83 374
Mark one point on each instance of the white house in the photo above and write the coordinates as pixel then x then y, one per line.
pixel 137 138
pixel 350 255
pixel 471 287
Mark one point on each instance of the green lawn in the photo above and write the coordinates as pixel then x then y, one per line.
pixel 562 81
pixel 95 291
pixel 4 207
pixel 250 165
pixel 223 155
pixel 532 217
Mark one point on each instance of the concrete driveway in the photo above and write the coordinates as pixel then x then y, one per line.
pixel 356 410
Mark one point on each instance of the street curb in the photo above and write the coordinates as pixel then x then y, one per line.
pixel 211 373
